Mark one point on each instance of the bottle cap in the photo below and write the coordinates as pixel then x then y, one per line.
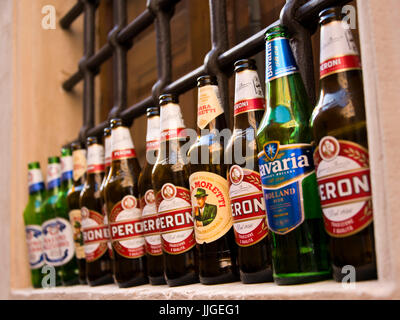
pixel 207 80
pixel 91 140
pixel 107 132
pixel 33 165
pixel 245 64
pixel 334 13
pixel 54 159
pixel 167 98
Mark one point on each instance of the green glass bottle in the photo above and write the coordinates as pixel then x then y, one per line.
pixel 50 225
pixel 33 222
pixel 69 267
pixel 299 241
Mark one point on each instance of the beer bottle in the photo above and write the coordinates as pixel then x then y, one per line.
pixel 151 232
pixel 33 223
pixel 210 190
pixel 171 187
pixel 124 214
pixel 75 216
pixel 107 163
pixel 50 224
pixel 341 153
pixel 95 231
pixel 299 242
pixel 245 192
pixel 69 267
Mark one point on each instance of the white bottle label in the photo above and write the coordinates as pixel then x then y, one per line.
pixel 34 240
pixel 95 159
pixel 248 92
pixel 208 105
pixel 107 159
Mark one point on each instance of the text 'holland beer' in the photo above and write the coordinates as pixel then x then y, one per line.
pixel 69 268
pixel 124 214
pixel 247 201
pixel 287 170
pixel 150 220
pixel 341 153
pixel 94 223
pixel 75 217
pixel 33 223
pixel 209 190
pixel 170 180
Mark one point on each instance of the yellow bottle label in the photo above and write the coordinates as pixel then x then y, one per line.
pixel 211 206
pixel 79 160
pixel 208 105
pixel 75 217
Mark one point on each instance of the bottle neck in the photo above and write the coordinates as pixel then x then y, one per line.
pixel 95 159
pixel 79 166
pixel 35 181
pixel 107 151
pixel 122 147
pixel 152 137
pixel 249 100
pixel 67 166
pixel 53 177
pixel 338 51
pixel 210 114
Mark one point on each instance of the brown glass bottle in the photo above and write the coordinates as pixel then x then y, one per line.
pixel 75 217
pixel 245 191
pixel 171 186
pixel 151 232
pixel 107 164
pixel 124 214
pixel 95 232
pixel 341 154
pixel 210 191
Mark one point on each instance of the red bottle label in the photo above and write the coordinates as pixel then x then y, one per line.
pixel 171 134
pixel 151 224
pixel 123 154
pixel 126 228
pixel 248 206
pixel 175 218
pixel 339 64
pixel 249 105
pixel 95 234
pixel 342 169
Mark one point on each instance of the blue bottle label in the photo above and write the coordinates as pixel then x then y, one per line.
pixel 53 175
pixel 35 180
pixel 67 166
pixel 282 170
pixel 279 59
pixel 35 246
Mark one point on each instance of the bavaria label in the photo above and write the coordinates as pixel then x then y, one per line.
pixel 126 228
pixel 53 175
pixel 279 59
pixel 35 246
pixel 75 218
pixel 338 50
pixel 248 206
pixel 67 167
pixel 151 223
pixel 208 105
pixel 35 180
pixel 344 184
pixel 95 159
pixel 283 169
pixel 58 245
pixel 175 219
pixel 79 160
pixel 248 92
pixel 122 144
pixel 211 206
pixel 95 234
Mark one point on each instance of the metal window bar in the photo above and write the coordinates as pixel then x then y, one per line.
pixel 300 16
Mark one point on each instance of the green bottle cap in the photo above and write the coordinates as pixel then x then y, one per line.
pixel 65 152
pixel 54 159
pixel 33 165
pixel 276 31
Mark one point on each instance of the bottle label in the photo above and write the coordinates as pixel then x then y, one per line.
pixel 67 167
pixel 79 160
pixel 105 222
pixel 248 92
pixel 173 134
pixel 153 133
pixel 58 245
pixel 53 175
pixel 208 105
pixel 122 144
pixel 279 59
pixel 283 169
pixel 338 50
pixel 211 206
pixel 95 234
pixel 95 159
pixel 126 228
pixel 35 246
pixel 35 180
pixel 151 223
pixel 248 206
pixel 175 218
pixel 75 218
pixel 107 149
pixel 344 184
